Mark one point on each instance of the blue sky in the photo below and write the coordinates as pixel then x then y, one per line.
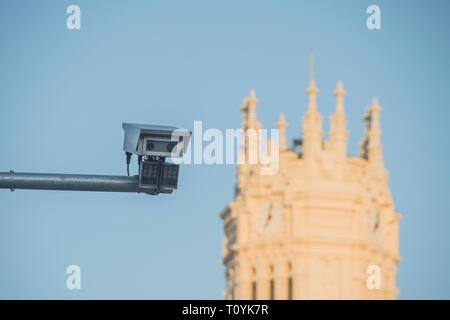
pixel 64 95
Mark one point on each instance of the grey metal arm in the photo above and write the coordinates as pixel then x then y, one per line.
pixel 71 182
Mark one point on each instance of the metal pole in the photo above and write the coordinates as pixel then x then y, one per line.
pixel 71 182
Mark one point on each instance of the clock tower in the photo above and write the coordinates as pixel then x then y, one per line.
pixel 324 225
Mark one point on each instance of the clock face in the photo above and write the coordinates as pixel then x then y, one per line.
pixel 375 224
pixel 270 218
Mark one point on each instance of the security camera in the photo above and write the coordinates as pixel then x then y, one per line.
pixel 152 144
pixel 154 140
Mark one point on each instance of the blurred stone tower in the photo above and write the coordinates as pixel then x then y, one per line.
pixel 323 225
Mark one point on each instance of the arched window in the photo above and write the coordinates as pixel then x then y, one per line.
pixel 290 284
pixel 271 284
pixel 272 289
pixel 254 288
pixel 290 287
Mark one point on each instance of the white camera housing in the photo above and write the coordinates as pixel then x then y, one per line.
pixel 154 140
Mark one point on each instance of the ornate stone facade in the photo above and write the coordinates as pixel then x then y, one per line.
pixel 312 230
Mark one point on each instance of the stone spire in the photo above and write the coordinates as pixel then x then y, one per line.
pixel 363 144
pixel 281 125
pixel 374 146
pixel 242 157
pixel 338 131
pixel 244 110
pixel 312 124
pixel 340 93
pixel 249 150
pixel 312 90
pixel 252 101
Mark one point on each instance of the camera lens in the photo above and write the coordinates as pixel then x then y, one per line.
pixel 150 146
pixel 170 147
